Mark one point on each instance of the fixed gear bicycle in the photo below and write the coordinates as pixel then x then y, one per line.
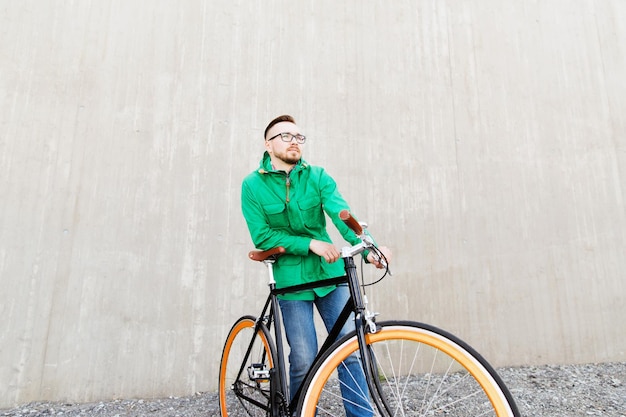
pixel 411 368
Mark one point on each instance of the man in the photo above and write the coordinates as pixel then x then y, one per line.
pixel 283 202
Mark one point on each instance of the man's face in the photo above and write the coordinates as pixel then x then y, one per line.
pixel 288 152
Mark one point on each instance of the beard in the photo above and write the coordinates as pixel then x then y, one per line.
pixel 289 156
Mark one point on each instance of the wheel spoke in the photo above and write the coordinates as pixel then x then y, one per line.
pixel 422 372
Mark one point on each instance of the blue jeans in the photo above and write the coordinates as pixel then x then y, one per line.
pixel 302 339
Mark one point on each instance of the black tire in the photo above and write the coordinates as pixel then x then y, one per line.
pixel 421 371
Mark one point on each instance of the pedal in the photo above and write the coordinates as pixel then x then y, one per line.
pixel 258 372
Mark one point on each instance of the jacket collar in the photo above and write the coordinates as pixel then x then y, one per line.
pixel 265 166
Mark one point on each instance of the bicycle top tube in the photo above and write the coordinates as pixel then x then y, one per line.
pixel 311 285
pixel 270 256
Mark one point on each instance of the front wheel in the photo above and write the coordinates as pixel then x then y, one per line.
pixel 419 370
pixel 244 380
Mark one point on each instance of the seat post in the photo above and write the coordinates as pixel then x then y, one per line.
pixel 279 367
pixel 270 271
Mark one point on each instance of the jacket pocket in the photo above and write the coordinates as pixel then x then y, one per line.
pixel 288 270
pixel 312 214
pixel 276 215
pixel 289 260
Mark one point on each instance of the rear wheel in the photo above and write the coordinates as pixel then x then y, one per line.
pixel 244 381
pixel 420 371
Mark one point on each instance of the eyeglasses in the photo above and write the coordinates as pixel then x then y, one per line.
pixel 288 137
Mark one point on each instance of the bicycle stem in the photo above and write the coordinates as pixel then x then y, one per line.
pixel 366 242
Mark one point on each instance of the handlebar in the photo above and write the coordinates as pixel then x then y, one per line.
pixel 351 222
pixel 367 243
pixel 366 240
pixel 272 254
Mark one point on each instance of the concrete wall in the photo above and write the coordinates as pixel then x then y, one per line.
pixel 484 141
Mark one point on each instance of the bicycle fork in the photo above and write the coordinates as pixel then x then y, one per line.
pixel 361 320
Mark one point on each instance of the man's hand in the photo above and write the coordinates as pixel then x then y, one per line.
pixel 327 250
pixel 374 260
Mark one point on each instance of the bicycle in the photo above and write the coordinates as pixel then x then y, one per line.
pixel 410 368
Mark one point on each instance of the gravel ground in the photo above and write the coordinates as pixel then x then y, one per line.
pixel 546 391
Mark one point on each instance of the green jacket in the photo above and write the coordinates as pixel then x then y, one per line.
pixel 288 210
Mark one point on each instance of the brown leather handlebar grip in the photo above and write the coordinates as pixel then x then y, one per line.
pixel 261 255
pixel 351 222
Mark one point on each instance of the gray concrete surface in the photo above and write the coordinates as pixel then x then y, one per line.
pixel 485 142
pixel 538 391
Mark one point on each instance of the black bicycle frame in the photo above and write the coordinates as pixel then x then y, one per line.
pixel 278 376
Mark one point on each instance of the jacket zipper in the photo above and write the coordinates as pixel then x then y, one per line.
pixel 288 184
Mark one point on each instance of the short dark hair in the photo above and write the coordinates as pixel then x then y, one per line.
pixel 283 118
